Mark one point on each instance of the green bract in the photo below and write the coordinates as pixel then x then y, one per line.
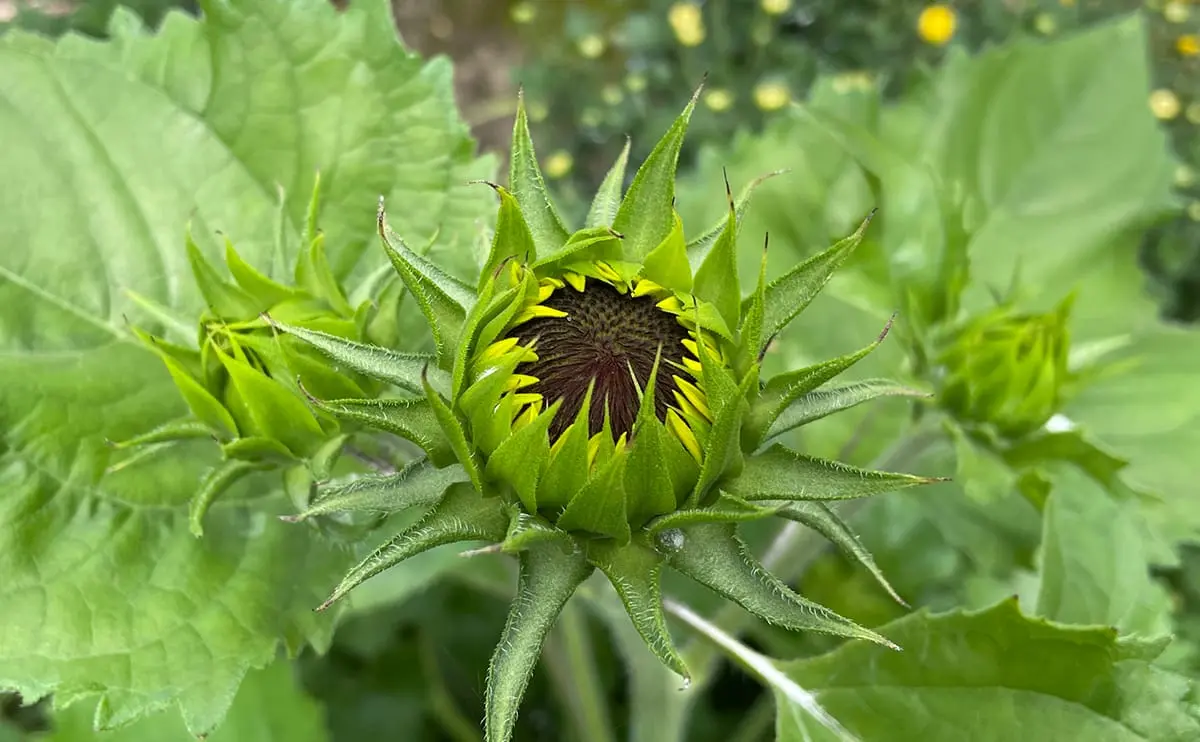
pixel 594 402
pixel 242 382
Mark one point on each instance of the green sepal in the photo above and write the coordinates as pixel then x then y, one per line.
pixel 568 469
pixel 698 247
pixel 647 211
pixel 444 300
pixel 419 484
pixel 653 474
pixel 461 515
pixel 822 519
pixel 314 275
pixel 608 197
pixel 214 484
pixel 492 313
pixel 787 296
pixel 781 474
pixel 291 362
pixel 588 245
pixel 635 571
pixel 600 506
pixel 409 418
pixel 265 408
pixel 725 509
pixel 262 288
pixel 501 310
pixel 525 530
pixel 780 391
pixel 527 185
pixel 484 403
pixel 549 575
pixel 727 402
pixel 172 432
pixel 511 239
pixel 827 400
pixel 751 343
pixel 456 436
pixel 206 407
pixel 717 277
pixel 259 450
pixel 521 458
pixel 398 369
pixel 714 556
pixel 667 264
pixel 224 299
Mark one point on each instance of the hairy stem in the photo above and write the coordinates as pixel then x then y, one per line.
pixel 572 665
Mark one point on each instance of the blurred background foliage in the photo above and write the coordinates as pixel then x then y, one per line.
pixel 595 71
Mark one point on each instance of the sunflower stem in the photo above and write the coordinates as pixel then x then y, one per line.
pixel 572 665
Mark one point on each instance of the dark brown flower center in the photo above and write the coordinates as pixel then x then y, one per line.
pixel 604 335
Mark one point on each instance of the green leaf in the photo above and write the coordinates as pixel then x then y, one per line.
pixel 827 400
pixel 393 367
pixel 780 474
pixel 995 674
pixel 1095 568
pixel 443 299
pixel 647 212
pixel 787 296
pixel 270 706
pixel 600 506
pixel 667 264
pixel 525 181
pixel 265 291
pixel 105 591
pixel 411 419
pixel 207 408
pixel 635 571
pixel 714 556
pixel 461 515
pixel 587 245
pixel 512 238
pixel 825 521
pixel 608 197
pixel 416 485
pixel 222 297
pixel 548 577
pixel 717 276
pixel 521 458
pixel 214 484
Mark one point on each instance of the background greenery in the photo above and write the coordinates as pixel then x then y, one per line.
pixel 1062 136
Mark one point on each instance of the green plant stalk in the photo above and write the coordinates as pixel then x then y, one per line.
pixel 572 665
pixel 451 719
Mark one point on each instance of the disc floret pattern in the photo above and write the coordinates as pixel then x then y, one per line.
pixel 595 403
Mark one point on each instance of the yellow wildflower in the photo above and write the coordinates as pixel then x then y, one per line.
pixel 1164 104
pixel 558 164
pixel 936 24
pixel 687 23
pixel 771 96
pixel 1187 45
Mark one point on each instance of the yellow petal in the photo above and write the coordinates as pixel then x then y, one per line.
pixel 671 304
pixel 519 381
pixel 685 435
pixel 694 396
pixel 552 282
pixel 497 349
pixel 533 311
pixel 544 292
pixel 642 287
pixel 577 281
pixel 606 271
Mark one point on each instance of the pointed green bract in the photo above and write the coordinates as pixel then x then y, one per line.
pixel 635 571
pixel 314 275
pixel 700 246
pixel 647 212
pixel 568 470
pixel 653 458
pixel 222 297
pixel 512 239
pixel 714 556
pixel 177 430
pixel 727 400
pixel 822 519
pixel 549 574
pixel 207 408
pixel 717 276
pixel 254 282
pixel 265 408
pixel 789 295
pixel 780 474
pixel 833 398
pixel 600 505
pixel 461 515
pixel 526 182
pixel 724 509
pixel 411 419
pixel 520 459
pixel 416 485
pixel 667 264
pixel 751 343
pixel 456 436
pixel 399 369
pixel 608 197
pixel 214 484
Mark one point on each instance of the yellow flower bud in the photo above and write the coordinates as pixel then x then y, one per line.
pixel 1164 104
pixel 936 24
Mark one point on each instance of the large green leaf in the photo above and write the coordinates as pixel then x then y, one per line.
pixel 110 150
pixel 269 707
pixel 995 675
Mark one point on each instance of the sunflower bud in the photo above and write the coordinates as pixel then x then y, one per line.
pixel 1006 370
pixel 594 401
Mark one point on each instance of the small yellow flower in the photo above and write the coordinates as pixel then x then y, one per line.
pixel 558 164
pixel 612 94
pixel 776 7
pixel 718 99
pixel 1164 104
pixel 591 46
pixel 936 24
pixel 1185 177
pixel 1176 11
pixel 523 12
pixel 635 82
pixel 1045 24
pixel 1187 45
pixel 771 96
pixel 687 23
